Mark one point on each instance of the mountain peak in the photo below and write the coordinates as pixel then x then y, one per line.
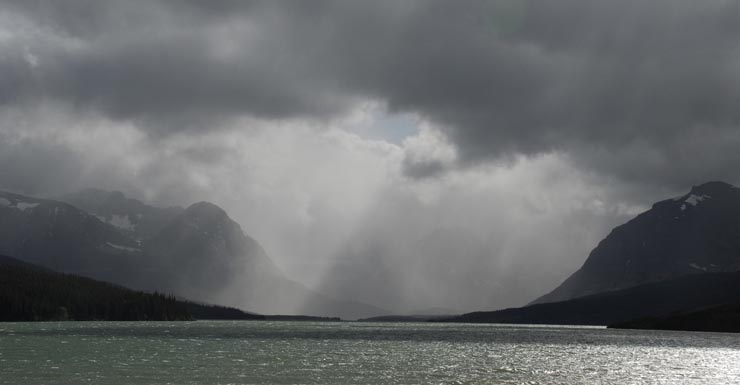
pixel 206 209
pixel 713 188
pixel 206 219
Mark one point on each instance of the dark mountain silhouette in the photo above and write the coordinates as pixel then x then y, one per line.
pixel 723 318
pixel 681 294
pixel 199 253
pixel 33 293
pixel 696 233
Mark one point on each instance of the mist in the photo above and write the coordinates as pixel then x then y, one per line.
pixel 410 155
pixel 338 213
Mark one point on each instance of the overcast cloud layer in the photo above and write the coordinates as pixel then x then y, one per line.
pixel 414 142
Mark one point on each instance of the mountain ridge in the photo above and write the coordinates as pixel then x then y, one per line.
pixel 130 215
pixel 199 253
pixel 695 233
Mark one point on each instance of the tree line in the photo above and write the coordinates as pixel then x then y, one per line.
pixel 32 294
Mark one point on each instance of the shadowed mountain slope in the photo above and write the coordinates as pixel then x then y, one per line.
pixel 723 318
pixel 653 299
pixel 693 234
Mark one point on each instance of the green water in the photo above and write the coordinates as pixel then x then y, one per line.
pixel 110 353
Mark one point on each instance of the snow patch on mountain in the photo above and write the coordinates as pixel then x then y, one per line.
pixel 17 204
pixel 122 222
pixel 695 199
pixel 25 205
pixel 120 247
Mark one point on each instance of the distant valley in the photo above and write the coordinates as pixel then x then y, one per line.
pixel 678 261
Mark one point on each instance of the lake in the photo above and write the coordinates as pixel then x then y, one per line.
pixel 251 352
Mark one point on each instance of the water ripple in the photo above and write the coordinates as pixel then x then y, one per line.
pixel 216 353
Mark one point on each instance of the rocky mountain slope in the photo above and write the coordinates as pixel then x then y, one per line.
pixel 197 252
pixel 695 233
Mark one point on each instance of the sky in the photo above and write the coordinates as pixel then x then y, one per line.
pixel 410 154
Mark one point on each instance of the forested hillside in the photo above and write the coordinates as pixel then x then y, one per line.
pixel 30 294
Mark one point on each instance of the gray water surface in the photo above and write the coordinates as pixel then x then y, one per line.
pixel 250 352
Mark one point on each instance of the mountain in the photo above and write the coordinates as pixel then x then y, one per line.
pixel 695 233
pixel 214 255
pixel 61 237
pixel 723 318
pixel 131 216
pixel 657 299
pixel 211 254
pixel 197 252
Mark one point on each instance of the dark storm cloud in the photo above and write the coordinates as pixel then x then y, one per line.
pixel 594 79
pixel 170 65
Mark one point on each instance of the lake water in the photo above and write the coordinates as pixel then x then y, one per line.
pixel 110 353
